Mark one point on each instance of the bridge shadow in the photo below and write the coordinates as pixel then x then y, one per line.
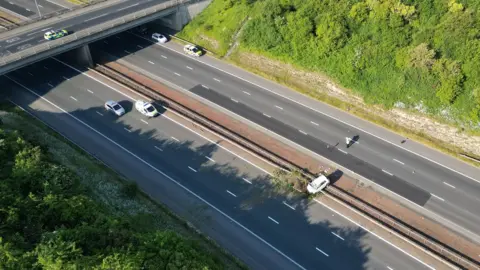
pixel 305 230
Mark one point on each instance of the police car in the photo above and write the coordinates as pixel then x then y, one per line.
pixel 192 50
pixel 52 34
pixel 146 108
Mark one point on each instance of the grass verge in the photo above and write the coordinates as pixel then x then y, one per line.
pixel 120 196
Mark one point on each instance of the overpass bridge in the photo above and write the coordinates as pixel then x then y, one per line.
pixel 25 45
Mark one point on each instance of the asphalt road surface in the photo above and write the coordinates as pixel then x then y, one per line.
pixel 451 195
pixel 28 8
pixel 35 36
pixel 156 151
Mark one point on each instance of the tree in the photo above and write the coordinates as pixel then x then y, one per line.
pixel 451 79
pixel 422 57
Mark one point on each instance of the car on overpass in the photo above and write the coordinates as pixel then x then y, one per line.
pixel 146 108
pixel 54 34
pixel 318 184
pixel 192 50
pixel 159 38
pixel 114 107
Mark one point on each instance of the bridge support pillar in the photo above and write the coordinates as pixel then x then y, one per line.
pixel 84 57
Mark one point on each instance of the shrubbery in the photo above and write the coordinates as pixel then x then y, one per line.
pixel 48 221
pixel 416 52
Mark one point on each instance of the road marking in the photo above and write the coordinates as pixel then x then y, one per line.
pixel 210 159
pixel 49 84
pixel 164 56
pixel 234 100
pixel 189 68
pixel 192 169
pixel 387 172
pixel 127 7
pixel 73 98
pixel 96 17
pixel 127 129
pixel 177 74
pixel 321 251
pixel 144 121
pixel 117 37
pixel 288 205
pixel 398 161
pixel 389 268
pixel 205 86
pixel 246 180
pixel 266 115
pixel 440 198
pixel 343 151
pixel 139 46
pixel 105 42
pixel 303 132
pixel 449 185
pixel 247 93
pixel 127 51
pixel 151 62
pixel 29 73
pixel 45 67
pixel 162 173
pixel 273 220
pixel 66 78
pixel 278 107
pixel 28 9
pixel 215 79
pixel 173 138
pixel 158 148
pixel 338 236
pixel 40 6
pixel 99 113
pixel 229 192
pixel 314 123
pixel 90 91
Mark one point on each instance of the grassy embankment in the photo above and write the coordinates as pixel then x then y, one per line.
pixel 390 54
pixel 76 213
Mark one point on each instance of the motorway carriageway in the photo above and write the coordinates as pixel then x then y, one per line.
pixel 158 151
pixel 25 40
pixel 437 189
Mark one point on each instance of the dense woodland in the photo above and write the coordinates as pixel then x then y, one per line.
pixel 422 54
pixel 48 221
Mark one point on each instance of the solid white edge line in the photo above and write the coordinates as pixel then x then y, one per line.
pixel 273 220
pixel 303 132
pixel 231 193
pixel 206 87
pixel 266 115
pixel 338 236
pixel 167 176
pixel 234 100
pixel 321 251
pixel 192 169
pixel 452 186
pixel 343 151
pixel 375 234
pixel 438 197
pixel 288 205
pixel 320 112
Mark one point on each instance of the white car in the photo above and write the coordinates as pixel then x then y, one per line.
pixel 159 38
pixel 114 107
pixel 318 184
pixel 192 50
pixel 146 108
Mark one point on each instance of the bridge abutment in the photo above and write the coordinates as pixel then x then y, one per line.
pixel 83 56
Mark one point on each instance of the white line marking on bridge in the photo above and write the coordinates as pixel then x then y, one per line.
pixel 192 169
pixel 338 236
pixel 139 46
pixel 127 7
pixel 73 98
pixel 398 161
pixel 231 193
pixel 127 51
pixel 90 91
pixel 127 129
pixel 206 87
pixel 322 251
pixel 104 14
pixel 273 220
pixel 314 123
pixel 266 115
pixel 343 151
pixel 440 198
pixel 68 79
pixel 212 160
pixel 389 173
pixel 288 205
pixel 449 185
pixel 246 180
pixel 177 74
pixel 234 100
pixel 164 56
pixel 49 84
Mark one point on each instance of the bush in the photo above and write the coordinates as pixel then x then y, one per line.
pixel 130 189
pixel 294 179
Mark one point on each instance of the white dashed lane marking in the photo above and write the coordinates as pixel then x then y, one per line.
pixel 210 159
pixel 144 121
pixel 387 172
pixel 321 251
pixel 158 148
pixel 246 180
pixel 343 151
pixel 192 169
pixel 163 56
pixel 231 193
pixel 173 138
pixel 234 100
pixel 189 68
pixel 127 129
pixel 449 185
pixel 90 91
pixel 215 79
pixel 66 78
pixel 288 205
pixel 273 220
pixel 73 98
pixel 246 93
pixel 313 123
pixel 151 62
pixel 206 87
pixel 99 113
pixel 303 132
pixel 49 84
pixel 398 161
pixel 266 115
pixel 177 74
pixel 440 198
pixel 338 236
pixel 278 107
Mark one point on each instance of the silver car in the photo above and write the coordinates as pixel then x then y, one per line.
pixel 114 107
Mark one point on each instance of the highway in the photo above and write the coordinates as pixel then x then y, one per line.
pixel 28 9
pixel 450 195
pixel 166 158
pixel 34 37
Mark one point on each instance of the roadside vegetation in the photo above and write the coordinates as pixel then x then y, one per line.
pixel 61 209
pixel 421 55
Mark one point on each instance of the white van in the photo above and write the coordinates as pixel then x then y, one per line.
pixel 318 184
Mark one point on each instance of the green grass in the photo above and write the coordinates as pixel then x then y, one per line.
pixel 216 25
pixel 118 194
